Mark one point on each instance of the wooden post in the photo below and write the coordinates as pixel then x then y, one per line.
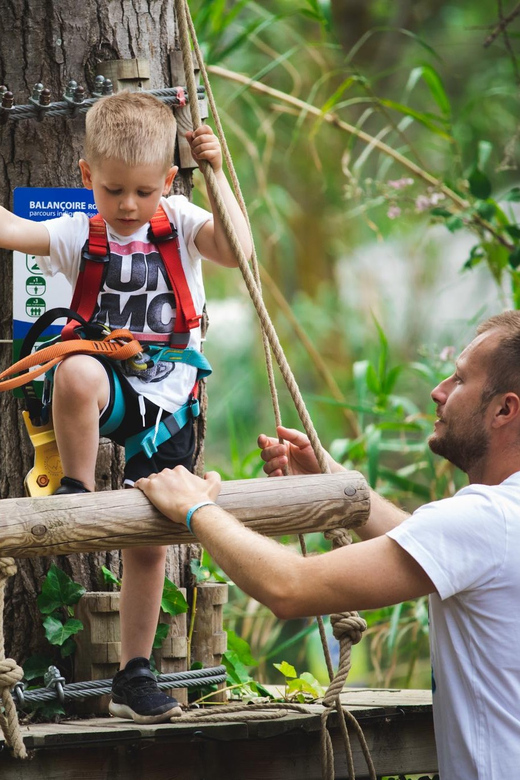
pixel 98 646
pixel 209 640
pixel 172 655
pixel 110 520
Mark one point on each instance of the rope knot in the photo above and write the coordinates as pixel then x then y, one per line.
pixel 7 568
pixel 10 673
pixel 340 537
pixel 348 625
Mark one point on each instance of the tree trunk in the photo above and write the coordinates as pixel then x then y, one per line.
pixel 52 42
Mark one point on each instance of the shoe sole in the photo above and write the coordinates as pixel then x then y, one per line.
pixel 124 711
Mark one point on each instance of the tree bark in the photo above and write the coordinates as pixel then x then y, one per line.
pixel 52 42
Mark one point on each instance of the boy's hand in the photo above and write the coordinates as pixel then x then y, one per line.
pixel 205 145
pixel 175 491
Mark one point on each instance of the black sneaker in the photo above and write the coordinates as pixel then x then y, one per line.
pixel 136 695
pixel 69 485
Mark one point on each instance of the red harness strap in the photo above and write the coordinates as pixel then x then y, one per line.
pixel 164 236
pixel 90 276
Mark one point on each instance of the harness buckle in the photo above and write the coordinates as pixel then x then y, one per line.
pixel 155 239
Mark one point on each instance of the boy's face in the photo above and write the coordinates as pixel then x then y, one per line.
pixel 126 196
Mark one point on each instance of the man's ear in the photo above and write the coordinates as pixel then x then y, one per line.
pixel 172 173
pixel 507 409
pixel 86 174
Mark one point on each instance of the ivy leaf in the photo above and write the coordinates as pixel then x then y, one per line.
pixel 68 647
pixel 57 632
pixel 286 669
pixel 172 601
pixel 161 633
pixel 58 590
pixel 479 184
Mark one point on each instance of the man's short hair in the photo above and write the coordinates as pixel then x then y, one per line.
pixel 133 127
pixel 503 370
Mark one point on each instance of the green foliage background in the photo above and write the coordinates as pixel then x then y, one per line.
pixel 377 268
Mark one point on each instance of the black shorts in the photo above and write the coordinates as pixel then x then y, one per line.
pixel 176 451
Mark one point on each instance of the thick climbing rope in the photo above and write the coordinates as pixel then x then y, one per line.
pixel 10 674
pixel 347 627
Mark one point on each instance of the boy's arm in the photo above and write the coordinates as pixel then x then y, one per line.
pixel 211 240
pixel 23 235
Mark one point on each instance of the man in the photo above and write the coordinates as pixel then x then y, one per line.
pixel 463 551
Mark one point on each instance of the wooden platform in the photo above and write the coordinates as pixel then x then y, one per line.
pixel 397 725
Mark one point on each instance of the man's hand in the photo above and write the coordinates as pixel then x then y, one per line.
pixel 296 453
pixel 175 491
pixel 205 145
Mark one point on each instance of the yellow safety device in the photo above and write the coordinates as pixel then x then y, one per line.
pixel 45 476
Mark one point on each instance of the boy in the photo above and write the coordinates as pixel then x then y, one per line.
pixel 129 146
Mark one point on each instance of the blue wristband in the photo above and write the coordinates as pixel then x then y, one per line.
pixel 193 510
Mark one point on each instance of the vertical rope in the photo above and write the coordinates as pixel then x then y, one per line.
pixel 10 673
pixel 347 627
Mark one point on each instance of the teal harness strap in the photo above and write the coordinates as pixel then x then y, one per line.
pixel 150 439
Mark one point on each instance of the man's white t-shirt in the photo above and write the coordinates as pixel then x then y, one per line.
pixel 136 293
pixel 469 546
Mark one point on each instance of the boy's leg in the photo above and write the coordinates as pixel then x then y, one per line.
pixel 141 592
pixel 81 390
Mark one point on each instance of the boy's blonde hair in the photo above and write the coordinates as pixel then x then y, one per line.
pixel 133 127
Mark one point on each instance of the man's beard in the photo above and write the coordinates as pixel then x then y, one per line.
pixel 465 447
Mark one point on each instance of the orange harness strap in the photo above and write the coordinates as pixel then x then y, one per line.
pixel 118 345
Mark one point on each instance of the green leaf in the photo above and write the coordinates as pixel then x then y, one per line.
pixel 173 601
pixel 434 82
pixel 476 255
pixel 513 230
pixel 430 121
pixel 200 572
pixel 57 632
pixel 479 184
pixel 161 632
pixel 514 257
pixel 286 669
pixel 483 153
pixel 513 195
pixel 58 590
pixel 36 666
pixel 109 578
pixel 241 648
pixel 454 223
pixel 486 209
pixel 236 671
pixel 68 647
pixel 439 211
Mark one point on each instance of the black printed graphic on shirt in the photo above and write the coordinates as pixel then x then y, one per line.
pixel 136 293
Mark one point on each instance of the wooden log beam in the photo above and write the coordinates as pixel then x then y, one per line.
pixel 110 520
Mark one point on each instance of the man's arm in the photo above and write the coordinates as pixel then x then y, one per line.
pixel 211 240
pixel 298 456
pixel 366 575
pixel 23 235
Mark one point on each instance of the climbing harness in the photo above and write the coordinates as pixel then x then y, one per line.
pixel 80 335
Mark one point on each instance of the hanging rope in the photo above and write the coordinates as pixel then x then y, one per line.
pixel 271 342
pixel 10 674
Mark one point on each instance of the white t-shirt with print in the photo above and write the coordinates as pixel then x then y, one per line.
pixel 136 293
pixel 469 546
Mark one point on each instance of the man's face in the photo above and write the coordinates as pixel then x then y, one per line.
pixel 461 432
